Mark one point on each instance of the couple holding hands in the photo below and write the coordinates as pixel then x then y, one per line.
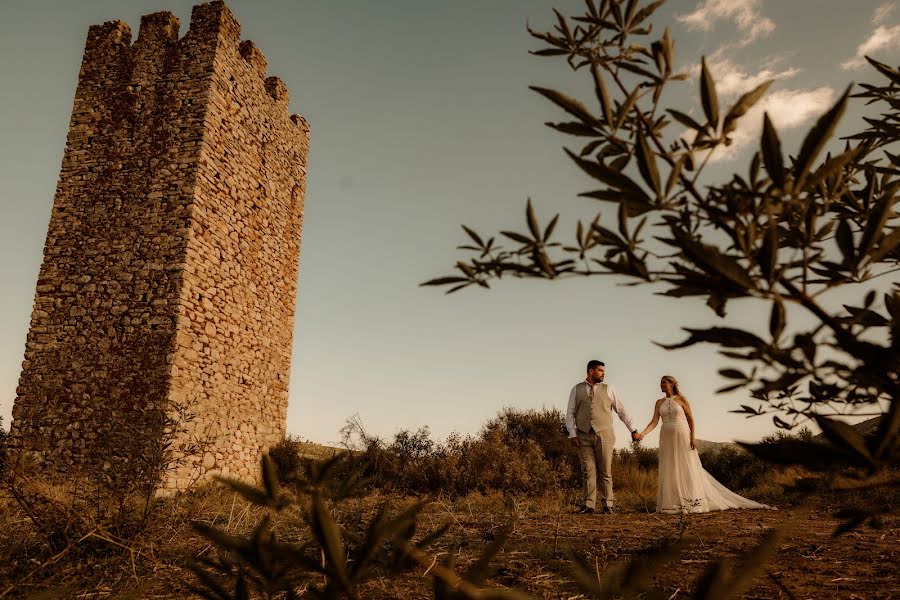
pixel 684 486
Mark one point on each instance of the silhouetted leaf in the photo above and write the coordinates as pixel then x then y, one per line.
pixel 270 480
pixel 712 261
pixel 612 178
pixel 645 12
pixel 771 152
pixel 532 221
pixel 726 337
pixel 647 163
pixel 625 578
pixel 731 374
pixel 602 94
pixel 877 219
pixel 518 237
pixel 219 537
pixel 889 72
pixel 743 104
pixel 549 52
pixel 548 230
pixel 626 107
pixel 776 319
pixel 721 582
pixel 708 95
pixel 329 536
pixel 844 238
pixel 685 120
pixel 570 105
pixel 832 166
pixel 444 281
pixel 812 455
pixel 639 70
pixel 844 436
pixel 480 570
pixel 818 136
pixel 886 246
pixel 475 237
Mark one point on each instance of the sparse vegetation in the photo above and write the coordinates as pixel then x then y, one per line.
pixel 547 547
pixel 517 452
pixel 523 452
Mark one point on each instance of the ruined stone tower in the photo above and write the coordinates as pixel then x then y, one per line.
pixel 170 268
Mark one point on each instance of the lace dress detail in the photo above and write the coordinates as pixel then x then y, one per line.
pixel 684 485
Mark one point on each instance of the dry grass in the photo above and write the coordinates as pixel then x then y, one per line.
pixel 152 564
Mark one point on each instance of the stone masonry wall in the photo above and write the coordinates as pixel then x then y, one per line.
pixel 170 266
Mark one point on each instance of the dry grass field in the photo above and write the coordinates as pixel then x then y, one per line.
pixel 536 558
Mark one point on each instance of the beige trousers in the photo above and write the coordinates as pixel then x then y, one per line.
pixel 595 452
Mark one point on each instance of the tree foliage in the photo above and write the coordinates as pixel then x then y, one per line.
pixel 813 232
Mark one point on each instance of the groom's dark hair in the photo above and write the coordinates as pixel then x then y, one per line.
pixel 594 364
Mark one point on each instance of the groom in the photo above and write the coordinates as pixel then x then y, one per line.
pixel 590 425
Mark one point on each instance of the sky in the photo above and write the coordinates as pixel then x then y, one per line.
pixel 422 120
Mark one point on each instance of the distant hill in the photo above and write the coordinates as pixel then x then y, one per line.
pixel 318 451
pixel 707 446
pixel 864 427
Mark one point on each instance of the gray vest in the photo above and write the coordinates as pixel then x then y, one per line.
pixel 596 414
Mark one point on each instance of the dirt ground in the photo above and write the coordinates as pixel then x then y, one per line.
pixel 536 558
pixel 810 564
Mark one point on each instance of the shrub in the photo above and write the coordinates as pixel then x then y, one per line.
pixel 516 452
pixel 735 468
pixel 287 456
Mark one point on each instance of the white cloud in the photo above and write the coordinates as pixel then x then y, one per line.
pixel 882 39
pixel 883 12
pixel 732 79
pixel 745 14
pixel 787 109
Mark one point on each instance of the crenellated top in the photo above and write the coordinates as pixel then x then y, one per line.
pixel 250 53
pixel 111 33
pixel 214 19
pixel 213 29
pixel 160 27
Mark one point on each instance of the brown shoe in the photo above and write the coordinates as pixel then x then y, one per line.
pixel 608 510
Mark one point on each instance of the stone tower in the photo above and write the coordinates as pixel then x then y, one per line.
pixel 169 278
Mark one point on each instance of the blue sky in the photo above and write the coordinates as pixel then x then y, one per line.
pixel 422 120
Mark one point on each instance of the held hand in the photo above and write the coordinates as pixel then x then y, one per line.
pixel 636 437
pixel 575 441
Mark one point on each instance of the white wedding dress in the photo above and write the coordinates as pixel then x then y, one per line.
pixel 684 485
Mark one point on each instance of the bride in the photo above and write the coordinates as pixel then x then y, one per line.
pixel 684 485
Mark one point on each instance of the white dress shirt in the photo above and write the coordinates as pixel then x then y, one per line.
pixel 617 406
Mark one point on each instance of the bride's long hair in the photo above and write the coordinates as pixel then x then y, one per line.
pixel 674 383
